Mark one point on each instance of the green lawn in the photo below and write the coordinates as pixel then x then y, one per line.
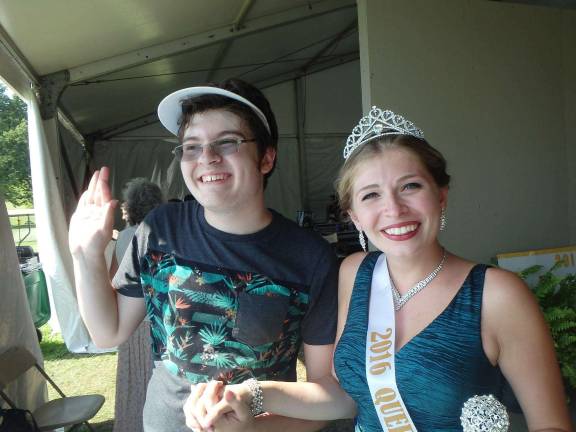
pixel 78 374
pixel 23 229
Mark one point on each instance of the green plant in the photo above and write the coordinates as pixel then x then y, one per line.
pixel 557 298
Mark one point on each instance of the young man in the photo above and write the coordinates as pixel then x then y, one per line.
pixel 231 288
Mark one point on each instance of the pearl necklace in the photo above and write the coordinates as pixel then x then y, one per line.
pixel 401 300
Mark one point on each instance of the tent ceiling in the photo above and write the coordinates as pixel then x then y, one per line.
pixel 567 4
pixel 123 57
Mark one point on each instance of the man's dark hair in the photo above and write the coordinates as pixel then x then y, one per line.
pixel 200 104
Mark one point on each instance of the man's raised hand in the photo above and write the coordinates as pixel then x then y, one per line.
pixel 92 222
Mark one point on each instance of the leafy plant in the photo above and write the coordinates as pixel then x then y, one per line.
pixel 15 183
pixel 557 298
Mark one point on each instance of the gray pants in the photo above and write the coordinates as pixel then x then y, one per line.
pixel 165 398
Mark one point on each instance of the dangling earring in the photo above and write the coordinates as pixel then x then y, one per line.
pixel 443 219
pixel 362 240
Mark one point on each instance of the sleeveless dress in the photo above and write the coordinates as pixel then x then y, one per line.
pixel 436 371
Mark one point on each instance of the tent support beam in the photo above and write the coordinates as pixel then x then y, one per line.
pixel 66 120
pixel 318 67
pixel 50 89
pixel 344 33
pixel 143 121
pixel 25 70
pixel 225 47
pixel 111 131
pixel 68 170
pixel 104 134
pixel 193 42
pixel 300 89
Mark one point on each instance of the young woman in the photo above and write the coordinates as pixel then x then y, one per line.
pixel 420 330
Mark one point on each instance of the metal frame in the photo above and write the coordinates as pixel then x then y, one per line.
pixel 225 47
pixel 25 361
pixel 200 40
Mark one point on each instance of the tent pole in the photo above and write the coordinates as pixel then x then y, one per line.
pixel 300 89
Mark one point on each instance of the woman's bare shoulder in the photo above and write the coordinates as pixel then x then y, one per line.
pixel 348 270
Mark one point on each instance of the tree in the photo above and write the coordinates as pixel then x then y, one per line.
pixel 15 180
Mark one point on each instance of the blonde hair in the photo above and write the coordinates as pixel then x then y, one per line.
pixel 431 158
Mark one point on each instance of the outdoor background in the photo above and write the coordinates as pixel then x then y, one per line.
pixel 75 374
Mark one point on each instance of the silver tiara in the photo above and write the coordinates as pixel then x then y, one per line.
pixel 484 414
pixel 376 124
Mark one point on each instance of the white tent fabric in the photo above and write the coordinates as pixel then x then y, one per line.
pixel 16 326
pixel 74 153
pixel 52 233
pixel 149 158
pixel 323 161
pixel 283 191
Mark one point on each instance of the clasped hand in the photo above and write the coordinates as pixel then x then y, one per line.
pixel 215 407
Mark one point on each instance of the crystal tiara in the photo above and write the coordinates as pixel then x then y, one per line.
pixel 376 124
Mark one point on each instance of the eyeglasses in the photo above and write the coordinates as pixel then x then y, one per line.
pixel 222 147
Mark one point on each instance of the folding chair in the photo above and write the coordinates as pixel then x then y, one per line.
pixel 57 413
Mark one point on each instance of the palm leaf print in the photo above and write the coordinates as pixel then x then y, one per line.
pixel 157 285
pixel 196 378
pixel 170 329
pixel 294 339
pixel 214 335
pixel 248 362
pixel 158 332
pixel 223 301
pixel 302 298
pixel 223 360
pixel 243 375
pixel 220 300
pixel 179 352
pixel 171 366
pixel 212 278
pixel 243 348
pixel 295 311
pixel 198 296
pixel 181 272
pixel 261 285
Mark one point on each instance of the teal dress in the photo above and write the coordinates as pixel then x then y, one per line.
pixel 436 371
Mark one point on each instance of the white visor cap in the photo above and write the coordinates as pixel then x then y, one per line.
pixel 170 109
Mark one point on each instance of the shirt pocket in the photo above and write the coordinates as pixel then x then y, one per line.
pixel 259 318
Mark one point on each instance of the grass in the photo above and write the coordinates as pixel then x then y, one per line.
pixel 24 229
pixel 78 374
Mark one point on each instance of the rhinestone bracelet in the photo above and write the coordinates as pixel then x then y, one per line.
pixel 257 397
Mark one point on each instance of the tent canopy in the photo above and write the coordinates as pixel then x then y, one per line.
pixel 111 62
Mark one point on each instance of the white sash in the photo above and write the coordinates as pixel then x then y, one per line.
pixel 380 369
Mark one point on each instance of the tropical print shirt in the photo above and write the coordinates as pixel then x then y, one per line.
pixel 225 306
pixel 214 323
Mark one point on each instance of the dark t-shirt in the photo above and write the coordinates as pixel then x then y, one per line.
pixel 228 307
